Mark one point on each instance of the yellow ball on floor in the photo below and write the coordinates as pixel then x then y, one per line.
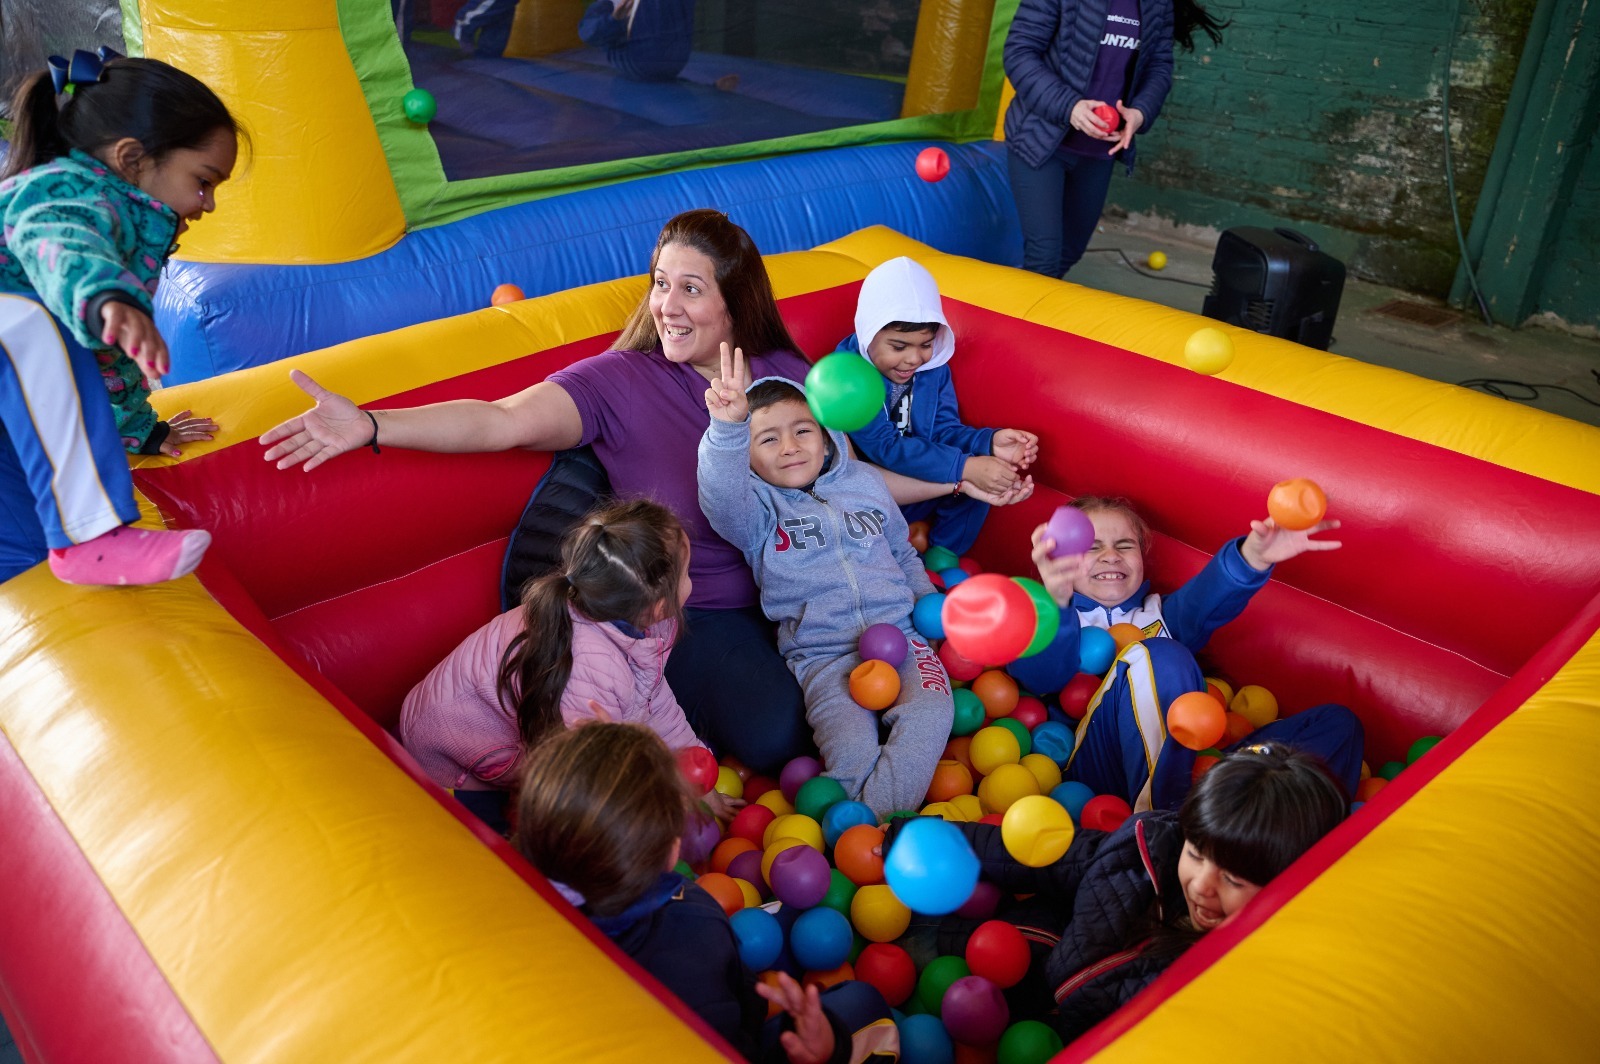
pixel 1157 260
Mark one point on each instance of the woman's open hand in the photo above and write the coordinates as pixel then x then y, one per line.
pixel 331 428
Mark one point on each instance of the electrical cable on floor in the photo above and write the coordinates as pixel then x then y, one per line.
pixel 1146 273
pixel 1498 388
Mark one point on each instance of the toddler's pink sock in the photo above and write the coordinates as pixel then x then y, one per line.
pixel 129 555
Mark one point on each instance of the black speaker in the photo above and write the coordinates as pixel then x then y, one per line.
pixel 1275 281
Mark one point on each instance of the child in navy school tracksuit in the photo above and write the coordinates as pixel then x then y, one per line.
pixel 645 40
pixel 829 551
pixel 1124 731
pixel 901 329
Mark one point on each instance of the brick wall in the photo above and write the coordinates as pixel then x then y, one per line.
pixel 1326 115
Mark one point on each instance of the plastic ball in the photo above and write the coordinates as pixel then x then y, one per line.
pixel 1157 260
pixel 1096 651
pixel 1104 812
pixel 974 1011
pixel 985 899
pixel 958 666
pixel 1369 787
pixel 796 772
pixel 1390 769
pixel 874 685
pixel 816 796
pixel 751 823
pixel 878 914
pixel 841 892
pixel 994 746
pixel 753 895
pixel 937 977
pixel 997 691
pixel 1073 796
pixel 968 807
pixel 795 826
pixel 844 391
pixel 923 1040
pixel 959 748
pixel 1237 727
pixel 701 833
pixel 775 801
pixel 747 867
pixel 952 576
pixel 1208 350
pixel 760 938
pixel 989 619
pixel 1255 704
pixel 1030 712
pixel 917 536
pixel 931 867
pixel 927 616
pixel 889 969
pixel 933 164
pixel 1076 696
pixel 755 785
pixel 941 558
pixel 1202 765
pixel 944 811
pixel 997 951
pixel 729 783
pixel 1037 831
pixel 1125 635
pixel 722 888
pixel 1196 721
pixel 419 106
pixel 699 767
pixel 853 855
pixel 969 715
pixel 778 848
pixel 1046 616
pixel 800 877
pixel 842 816
pixel 505 293
pixel 1005 786
pixel 1108 115
pixel 950 778
pixel 1029 1041
pixel 820 940
pixel 1054 740
pixel 1024 740
pixel 1072 531
pixel 883 642
pixel 729 848
pixel 1296 504
pixel 1421 746
pixel 1044 769
pixel 1221 690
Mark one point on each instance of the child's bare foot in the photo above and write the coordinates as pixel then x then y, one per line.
pixel 129 555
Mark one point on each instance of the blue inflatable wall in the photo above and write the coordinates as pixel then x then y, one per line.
pixel 219 318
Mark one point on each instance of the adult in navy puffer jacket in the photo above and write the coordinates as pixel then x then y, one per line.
pixel 1066 58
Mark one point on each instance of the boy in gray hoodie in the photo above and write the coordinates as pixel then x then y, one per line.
pixel 829 551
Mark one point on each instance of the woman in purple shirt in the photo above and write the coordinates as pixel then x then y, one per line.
pixel 642 407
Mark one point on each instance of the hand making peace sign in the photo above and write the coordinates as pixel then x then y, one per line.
pixel 725 399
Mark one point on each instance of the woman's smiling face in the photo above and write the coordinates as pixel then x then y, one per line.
pixel 690 314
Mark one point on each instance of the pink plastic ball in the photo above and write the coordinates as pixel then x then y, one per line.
pixel 800 877
pixel 1072 530
pixel 795 773
pixel 883 642
pixel 974 1011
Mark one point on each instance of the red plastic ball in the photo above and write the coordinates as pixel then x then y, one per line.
pixel 998 952
pixel 959 667
pixel 699 767
pixel 890 969
pixel 756 786
pixel 751 822
pixel 1110 116
pixel 1074 697
pixel 1104 812
pixel 989 619
pixel 933 164
pixel 1030 712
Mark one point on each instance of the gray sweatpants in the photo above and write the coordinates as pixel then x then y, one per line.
pixel 893 775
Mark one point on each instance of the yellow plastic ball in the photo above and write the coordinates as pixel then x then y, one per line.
pixel 1157 260
pixel 771 854
pixel 1036 831
pixel 1223 686
pixel 968 806
pixel 729 783
pixel 1046 771
pixel 992 747
pixel 775 801
pixel 1208 350
pixel 878 914
pixel 794 826
pixel 752 896
pixel 1003 787
pixel 1255 704
pixel 942 810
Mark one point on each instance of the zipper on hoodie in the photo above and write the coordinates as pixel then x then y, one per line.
pixel 844 556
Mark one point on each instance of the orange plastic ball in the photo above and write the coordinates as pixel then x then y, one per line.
pixel 1125 634
pixel 506 293
pixel 874 684
pixel 1196 720
pixel 1296 504
pixel 918 536
pixel 771 979
pixel 950 778
pixel 853 856
pixel 959 748
pixel 831 977
pixel 1221 690
pixel 1238 727
pixel 728 849
pixel 724 889
pixel 1369 787
pixel 998 693
pixel 1202 765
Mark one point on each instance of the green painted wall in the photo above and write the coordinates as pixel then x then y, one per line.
pixel 1326 115
pixel 1571 288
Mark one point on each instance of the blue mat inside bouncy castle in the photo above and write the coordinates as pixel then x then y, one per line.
pixel 219 318
pixel 504 116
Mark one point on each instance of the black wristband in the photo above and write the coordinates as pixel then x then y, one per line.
pixel 373 443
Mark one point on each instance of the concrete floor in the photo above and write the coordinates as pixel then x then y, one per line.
pixel 1461 350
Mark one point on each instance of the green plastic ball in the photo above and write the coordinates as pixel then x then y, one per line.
pixel 969 713
pixel 898 814
pixel 1391 769
pixel 816 795
pixel 936 979
pixel 845 391
pixel 841 892
pixel 938 559
pixel 1027 1042
pixel 419 106
pixel 1046 611
pixel 683 869
pixel 1017 728
pixel 1420 747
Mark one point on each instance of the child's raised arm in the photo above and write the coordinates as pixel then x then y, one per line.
pixel 725 399
pixel 1267 544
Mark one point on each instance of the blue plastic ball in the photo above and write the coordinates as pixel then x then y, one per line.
pixel 923 1040
pixel 760 938
pixel 927 616
pixel 1054 740
pixel 1073 796
pixel 952 577
pixel 842 816
pixel 931 868
pixel 821 939
pixel 1096 651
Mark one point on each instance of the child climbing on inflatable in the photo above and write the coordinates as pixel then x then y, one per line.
pixel 1124 732
pixel 645 40
pixel 95 194
pixel 595 632
pixel 901 329
pixel 601 811
pixel 829 551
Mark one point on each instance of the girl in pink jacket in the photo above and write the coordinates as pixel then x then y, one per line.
pixel 594 633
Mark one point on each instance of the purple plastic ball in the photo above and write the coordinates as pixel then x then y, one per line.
pixel 700 836
pixel 800 877
pixel 747 866
pixel 884 642
pixel 1072 530
pixel 795 773
pixel 974 1011
pixel 985 899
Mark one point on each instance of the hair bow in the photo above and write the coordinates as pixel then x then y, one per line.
pixel 84 68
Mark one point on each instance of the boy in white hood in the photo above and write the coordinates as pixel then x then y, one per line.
pixel 901 329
